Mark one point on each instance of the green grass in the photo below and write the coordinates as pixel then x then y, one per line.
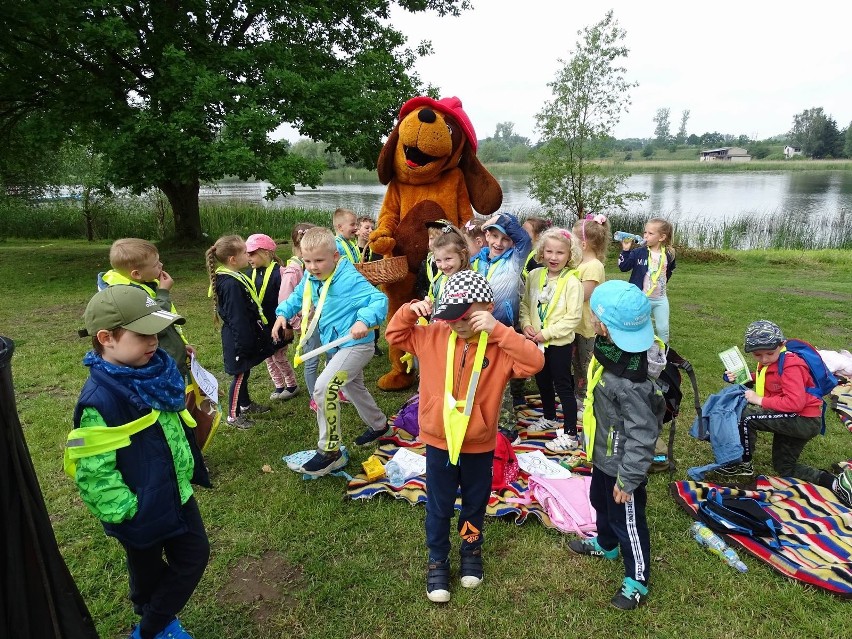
pixel 356 569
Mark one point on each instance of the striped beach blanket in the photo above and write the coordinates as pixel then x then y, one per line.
pixel 502 504
pixel 818 526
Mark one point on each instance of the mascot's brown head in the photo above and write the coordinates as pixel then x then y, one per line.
pixel 431 137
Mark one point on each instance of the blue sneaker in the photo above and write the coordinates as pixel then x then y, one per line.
pixel 173 631
pixel 136 633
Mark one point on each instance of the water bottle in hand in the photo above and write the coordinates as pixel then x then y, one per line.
pixel 620 236
pixel 715 544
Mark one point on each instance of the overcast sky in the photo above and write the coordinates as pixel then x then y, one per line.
pixel 740 67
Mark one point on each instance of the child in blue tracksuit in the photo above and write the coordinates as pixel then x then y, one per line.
pixel 501 261
pixel 621 426
pixel 336 300
pixel 652 266
pixel 131 458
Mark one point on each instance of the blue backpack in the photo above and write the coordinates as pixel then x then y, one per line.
pixel 823 378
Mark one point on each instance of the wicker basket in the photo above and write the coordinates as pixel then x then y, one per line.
pixel 385 271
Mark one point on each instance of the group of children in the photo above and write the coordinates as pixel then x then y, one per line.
pixel 492 309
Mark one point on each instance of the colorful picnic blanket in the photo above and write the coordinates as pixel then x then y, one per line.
pixel 811 517
pixel 500 504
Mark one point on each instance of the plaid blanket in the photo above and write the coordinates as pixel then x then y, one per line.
pixel 811 517
pixel 500 504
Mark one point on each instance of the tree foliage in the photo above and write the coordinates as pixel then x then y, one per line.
pixel 816 133
pixel 590 92
pixel 662 130
pixel 681 132
pixel 172 94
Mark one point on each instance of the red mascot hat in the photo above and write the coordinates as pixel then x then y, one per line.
pixel 448 106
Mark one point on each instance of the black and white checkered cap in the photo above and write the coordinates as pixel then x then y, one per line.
pixel 461 290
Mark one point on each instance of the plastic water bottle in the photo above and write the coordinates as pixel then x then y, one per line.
pixel 395 473
pixel 715 544
pixel 618 236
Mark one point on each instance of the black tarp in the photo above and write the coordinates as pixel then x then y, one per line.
pixel 38 596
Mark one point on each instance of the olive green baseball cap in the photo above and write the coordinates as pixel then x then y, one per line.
pixel 126 307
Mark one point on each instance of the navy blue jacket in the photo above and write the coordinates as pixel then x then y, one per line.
pixel 637 259
pixel 146 466
pixel 246 342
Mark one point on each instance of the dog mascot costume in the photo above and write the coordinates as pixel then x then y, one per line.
pixel 430 167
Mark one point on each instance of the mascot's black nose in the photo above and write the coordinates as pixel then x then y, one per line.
pixel 427 116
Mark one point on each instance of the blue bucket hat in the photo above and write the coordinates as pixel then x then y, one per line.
pixel 626 312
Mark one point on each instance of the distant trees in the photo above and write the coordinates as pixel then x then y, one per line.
pixel 590 92
pixel 504 146
pixel 662 130
pixel 817 134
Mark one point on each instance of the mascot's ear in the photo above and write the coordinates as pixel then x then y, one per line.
pixel 484 190
pixel 384 166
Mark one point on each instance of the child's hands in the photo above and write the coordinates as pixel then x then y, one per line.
pixel 166 281
pixel 626 244
pixel 190 350
pixel 422 308
pixel 278 329
pixel 753 398
pixel 359 329
pixel 482 321
pixel 529 332
pixel 620 496
pixel 729 377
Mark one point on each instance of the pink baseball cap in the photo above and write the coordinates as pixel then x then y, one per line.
pixel 259 241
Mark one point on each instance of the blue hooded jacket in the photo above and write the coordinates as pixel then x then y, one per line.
pixel 719 424
pixel 351 298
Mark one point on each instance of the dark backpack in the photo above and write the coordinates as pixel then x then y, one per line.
pixel 738 516
pixel 824 380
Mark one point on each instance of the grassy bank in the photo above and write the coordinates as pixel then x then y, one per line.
pixel 297 559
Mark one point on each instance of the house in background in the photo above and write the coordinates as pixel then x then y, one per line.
pixel 727 153
pixel 790 151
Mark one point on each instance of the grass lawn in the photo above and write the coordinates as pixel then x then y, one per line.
pixel 292 558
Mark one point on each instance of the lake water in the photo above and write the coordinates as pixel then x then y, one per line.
pixel 821 200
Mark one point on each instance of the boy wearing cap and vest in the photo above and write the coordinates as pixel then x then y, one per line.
pixel 621 421
pixel 346 226
pixel 336 301
pixel 367 225
pixel 470 356
pixel 131 460
pixel 136 262
pixel 780 404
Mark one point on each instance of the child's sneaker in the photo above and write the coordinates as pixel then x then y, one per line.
pixel 593 548
pixel 323 463
pixel 735 469
pixel 563 443
pixel 240 422
pixel 173 631
pixel 342 398
pixel 631 596
pixel 369 436
pixel 438 581
pixel 843 487
pixel 313 405
pixel 472 573
pixel 542 424
pixel 254 409
pixel 285 393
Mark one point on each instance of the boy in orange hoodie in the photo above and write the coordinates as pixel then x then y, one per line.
pixel 460 434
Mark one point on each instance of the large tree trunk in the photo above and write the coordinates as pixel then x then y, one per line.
pixel 183 198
